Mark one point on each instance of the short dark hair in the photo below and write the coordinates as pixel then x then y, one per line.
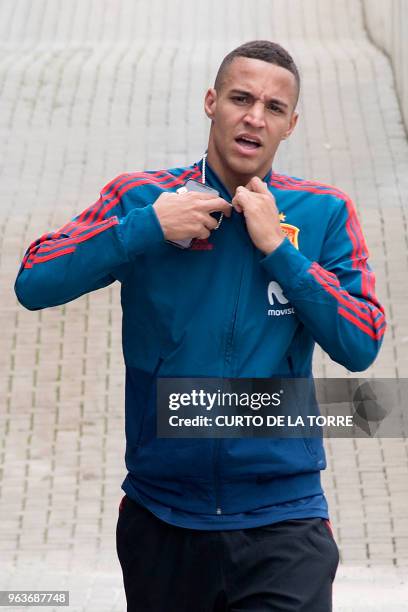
pixel 264 50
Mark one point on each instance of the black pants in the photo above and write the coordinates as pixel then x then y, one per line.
pixel 283 567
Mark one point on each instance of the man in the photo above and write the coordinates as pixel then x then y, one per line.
pixel 227 524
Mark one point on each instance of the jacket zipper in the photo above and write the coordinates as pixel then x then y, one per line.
pixel 227 358
pixel 230 339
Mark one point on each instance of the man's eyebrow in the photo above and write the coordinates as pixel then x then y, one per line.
pixel 278 102
pixel 241 92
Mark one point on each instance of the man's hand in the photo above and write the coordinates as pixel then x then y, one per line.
pixel 261 214
pixel 187 215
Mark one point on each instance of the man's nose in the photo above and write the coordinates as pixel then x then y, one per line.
pixel 256 115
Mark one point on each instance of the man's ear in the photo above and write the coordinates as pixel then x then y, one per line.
pixel 292 124
pixel 210 102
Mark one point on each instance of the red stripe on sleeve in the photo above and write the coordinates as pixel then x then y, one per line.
pixel 77 230
pixel 52 256
pixel 347 302
pixel 375 335
pixel 162 181
pixel 52 251
pixel 359 247
pixel 332 278
pixel 75 237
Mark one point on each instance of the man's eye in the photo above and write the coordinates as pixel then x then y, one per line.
pixel 240 99
pixel 275 108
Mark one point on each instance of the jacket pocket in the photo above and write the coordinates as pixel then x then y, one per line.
pixel 305 404
pixel 140 410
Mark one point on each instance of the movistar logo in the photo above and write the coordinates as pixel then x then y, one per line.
pixel 274 289
pixel 275 294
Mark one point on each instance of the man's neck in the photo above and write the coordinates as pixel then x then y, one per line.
pixel 229 179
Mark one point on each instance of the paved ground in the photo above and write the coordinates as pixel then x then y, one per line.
pixel 93 88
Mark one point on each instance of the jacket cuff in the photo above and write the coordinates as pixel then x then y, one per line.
pixel 139 230
pixel 286 265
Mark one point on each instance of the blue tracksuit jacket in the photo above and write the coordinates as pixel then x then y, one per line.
pixel 219 309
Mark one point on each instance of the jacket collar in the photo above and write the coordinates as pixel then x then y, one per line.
pixel 212 179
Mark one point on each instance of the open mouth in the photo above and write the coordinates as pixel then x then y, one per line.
pixel 248 143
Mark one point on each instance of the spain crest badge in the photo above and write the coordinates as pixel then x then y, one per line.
pixel 292 232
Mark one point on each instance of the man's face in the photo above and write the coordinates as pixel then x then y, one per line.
pixel 251 113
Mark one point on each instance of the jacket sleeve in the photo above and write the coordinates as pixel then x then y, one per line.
pixel 91 251
pixel 335 297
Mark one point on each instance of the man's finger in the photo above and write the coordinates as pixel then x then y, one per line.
pixel 210 223
pixel 257 185
pixel 217 205
pixel 203 233
pixel 242 196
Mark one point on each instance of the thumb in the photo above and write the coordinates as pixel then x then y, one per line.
pixel 257 185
